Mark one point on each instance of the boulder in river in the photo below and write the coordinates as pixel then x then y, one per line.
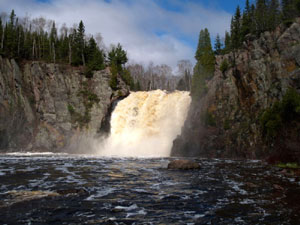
pixel 184 164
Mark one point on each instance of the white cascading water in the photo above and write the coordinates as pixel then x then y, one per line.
pixel 145 124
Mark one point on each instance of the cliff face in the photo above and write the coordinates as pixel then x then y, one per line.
pixel 48 107
pixel 225 122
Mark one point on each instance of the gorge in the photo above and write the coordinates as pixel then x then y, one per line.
pixel 52 107
pixel 93 134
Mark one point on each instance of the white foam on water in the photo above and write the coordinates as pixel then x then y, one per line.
pixel 129 208
pixel 197 216
pixel 33 153
pixel 101 193
pixel 247 201
pixel 140 212
pixel 236 186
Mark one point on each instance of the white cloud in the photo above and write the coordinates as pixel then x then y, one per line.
pixel 133 24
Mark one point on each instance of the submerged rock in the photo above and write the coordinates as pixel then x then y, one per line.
pixel 183 164
pixel 13 197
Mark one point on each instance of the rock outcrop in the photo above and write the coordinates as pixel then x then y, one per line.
pixel 225 122
pixel 183 164
pixel 50 107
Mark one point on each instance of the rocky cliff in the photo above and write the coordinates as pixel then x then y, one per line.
pixel 227 120
pixel 50 107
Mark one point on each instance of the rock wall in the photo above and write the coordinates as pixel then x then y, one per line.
pixel 263 70
pixel 50 107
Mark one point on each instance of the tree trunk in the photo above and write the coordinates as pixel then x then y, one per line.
pixel 70 53
pixel 19 40
pixel 40 48
pixel 50 48
pixel 83 60
pixel 33 46
pixel 53 47
pixel 2 39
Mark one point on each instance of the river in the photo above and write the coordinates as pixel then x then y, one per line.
pixel 79 189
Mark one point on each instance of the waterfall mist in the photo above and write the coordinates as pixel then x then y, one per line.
pixel 145 124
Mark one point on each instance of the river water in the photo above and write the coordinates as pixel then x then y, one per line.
pixel 74 189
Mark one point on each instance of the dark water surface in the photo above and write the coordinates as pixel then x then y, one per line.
pixel 64 189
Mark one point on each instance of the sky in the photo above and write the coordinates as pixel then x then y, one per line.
pixel 158 31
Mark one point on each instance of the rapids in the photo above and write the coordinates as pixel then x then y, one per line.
pixel 145 124
pixel 74 189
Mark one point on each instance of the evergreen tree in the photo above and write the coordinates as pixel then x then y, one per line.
pixel 63 48
pixel 261 13
pixel 290 10
pixel 95 58
pixel 126 77
pixel 218 45
pixel 9 47
pixel 117 56
pixel 53 38
pixel 78 45
pixel 253 22
pixel 247 19
pixel 298 7
pixel 205 66
pixel 20 40
pixel 273 15
pixel 236 36
pixel 227 47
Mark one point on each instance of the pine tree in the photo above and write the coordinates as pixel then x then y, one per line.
pixel 227 47
pixel 298 7
pixel 246 21
pixel 205 66
pixel 253 20
pixel 53 39
pixel 81 30
pixel 78 48
pixel 273 15
pixel 261 13
pixel 236 36
pixel 117 56
pixel 290 10
pixel 218 45
pixel 94 57
pixel 9 38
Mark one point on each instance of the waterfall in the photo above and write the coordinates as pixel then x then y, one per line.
pixel 145 124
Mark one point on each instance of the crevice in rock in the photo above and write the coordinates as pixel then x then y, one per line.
pixel 3 139
pixel 104 129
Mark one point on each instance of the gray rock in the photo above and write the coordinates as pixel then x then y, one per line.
pixel 35 104
pixel 265 69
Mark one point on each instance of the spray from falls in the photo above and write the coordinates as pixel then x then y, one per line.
pixel 145 124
